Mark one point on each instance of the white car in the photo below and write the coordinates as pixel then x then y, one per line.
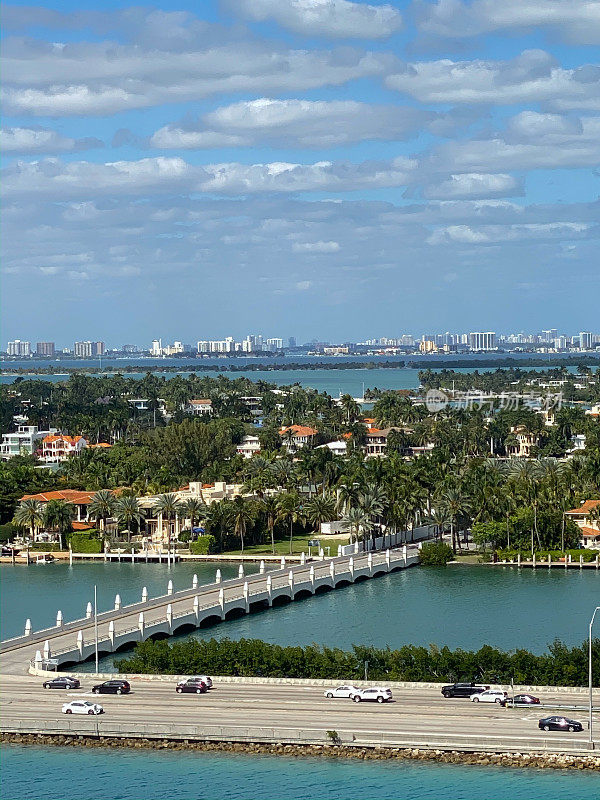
pixel 377 694
pixel 489 696
pixel 204 678
pixel 82 707
pixel 342 691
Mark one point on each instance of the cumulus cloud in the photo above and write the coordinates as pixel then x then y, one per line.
pixel 329 18
pixel 494 234
pixel 315 247
pixel 99 78
pixel 475 185
pixel 42 140
pixel 533 76
pixel 300 123
pixel 577 21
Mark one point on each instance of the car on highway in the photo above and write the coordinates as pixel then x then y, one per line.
pixel 463 689
pixel 521 700
pixel 342 691
pixel 560 724
pixel 191 686
pixel 62 682
pixel 112 687
pixel 82 707
pixel 204 678
pixel 489 696
pixel 377 694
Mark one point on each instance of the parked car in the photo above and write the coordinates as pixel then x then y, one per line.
pixel 462 689
pixel 521 700
pixel 112 687
pixel 378 694
pixel 489 696
pixel 62 682
pixel 560 724
pixel 204 678
pixel 342 691
pixel 191 686
pixel 82 707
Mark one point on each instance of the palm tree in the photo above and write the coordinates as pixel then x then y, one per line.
pixel 169 506
pixel 269 507
pixel 59 514
pixel 455 504
pixel 29 514
pixel 289 510
pixel 350 408
pixel 356 519
pixel 193 510
pixel 242 515
pixel 102 506
pixel 320 509
pixel 128 511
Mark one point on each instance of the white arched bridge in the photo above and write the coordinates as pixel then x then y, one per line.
pixel 183 611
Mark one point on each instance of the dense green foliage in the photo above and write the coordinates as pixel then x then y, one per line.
pixel 435 554
pixel 203 545
pixel 560 666
pixel 86 542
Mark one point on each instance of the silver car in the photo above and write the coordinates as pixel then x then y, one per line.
pixel 82 707
pixel 376 694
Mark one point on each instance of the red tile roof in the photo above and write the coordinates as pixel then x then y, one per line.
pixel 299 430
pixel 585 508
pixel 69 495
pixel 590 533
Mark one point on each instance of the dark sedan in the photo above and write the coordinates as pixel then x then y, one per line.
pixel 521 700
pixel 560 724
pixel 112 687
pixel 191 686
pixel 62 682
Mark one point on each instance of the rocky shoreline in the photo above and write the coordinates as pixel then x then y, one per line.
pixel 515 760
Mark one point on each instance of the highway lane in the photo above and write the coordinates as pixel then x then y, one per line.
pixel 421 712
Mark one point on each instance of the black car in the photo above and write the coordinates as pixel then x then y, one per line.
pixel 62 682
pixel 560 724
pixel 112 687
pixel 462 689
pixel 521 700
pixel 191 686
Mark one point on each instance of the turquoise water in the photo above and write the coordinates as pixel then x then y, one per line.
pixel 30 773
pixel 455 606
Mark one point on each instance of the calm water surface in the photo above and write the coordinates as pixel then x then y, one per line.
pixel 30 773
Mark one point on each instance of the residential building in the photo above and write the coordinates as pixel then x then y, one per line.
pixel 81 500
pixel 338 448
pixel 297 436
pixel 58 447
pixel 585 518
pixel 586 340
pixel 198 407
pixel 249 446
pixel 427 346
pixel 19 348
pixel 524 442
pixel 88 349
pixel 24 441
pixel 482 341
pixel 156 348
pixel 45 349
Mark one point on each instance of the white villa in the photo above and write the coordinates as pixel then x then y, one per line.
pixel 24 441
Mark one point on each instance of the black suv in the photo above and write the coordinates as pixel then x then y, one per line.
pixel 463 689
pixel 112 687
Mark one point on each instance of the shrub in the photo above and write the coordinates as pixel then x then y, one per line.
pixel 203 545
pixel 436 554
pixel 7 532
pixel 86 542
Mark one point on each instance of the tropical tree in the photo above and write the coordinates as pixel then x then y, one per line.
pixel 243 515
pixel 270 508
pixel 128 512
pixel 319 509
pixel 29 514
pixel 193 509
pixel 58 515
pixel 356 519
pixel 454 503
pixel 102 507
pixel 169 506
pixel 288 504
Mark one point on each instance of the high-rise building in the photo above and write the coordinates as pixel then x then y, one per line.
pixel 292 341
pixel 549 335
pixel 88 349
pixel 274 344
pixel 19 348
pixel 156 348
pixel 586 340
pixel 482 341
pixel 45 349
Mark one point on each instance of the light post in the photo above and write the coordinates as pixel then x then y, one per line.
pixel 590 674
pixel 96 625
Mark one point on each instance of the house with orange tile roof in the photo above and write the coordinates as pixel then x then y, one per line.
pixel 80 499
pixel 587 518
pixel 297 436
pixel 57 447
pixel 198 407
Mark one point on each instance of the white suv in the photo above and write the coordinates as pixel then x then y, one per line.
pixel 489 696
pixel 342 691
pixel 378 694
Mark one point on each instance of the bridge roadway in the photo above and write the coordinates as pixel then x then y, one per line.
pixel 183 611
pixel 291 713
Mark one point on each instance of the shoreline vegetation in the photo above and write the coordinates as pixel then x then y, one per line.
pixel 578 761
pixel 61 368
pixel 559 666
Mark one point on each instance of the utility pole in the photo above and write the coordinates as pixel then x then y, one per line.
pixel 590 676
pixel 96 625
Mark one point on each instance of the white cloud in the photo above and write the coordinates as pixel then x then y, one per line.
pixel 99 78
pixel 329 18
pixel 303 285
pixel 474 185
pixel 531 77
pixel 41 140
pixel 577 21
pixel 301 123
pixel 494 234
pixel 316 247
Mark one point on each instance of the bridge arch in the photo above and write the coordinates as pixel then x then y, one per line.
pixel 185 627
pixel 208 622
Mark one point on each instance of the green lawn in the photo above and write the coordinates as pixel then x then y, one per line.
pixel 282 546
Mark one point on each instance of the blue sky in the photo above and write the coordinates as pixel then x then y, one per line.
pixel 308 168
